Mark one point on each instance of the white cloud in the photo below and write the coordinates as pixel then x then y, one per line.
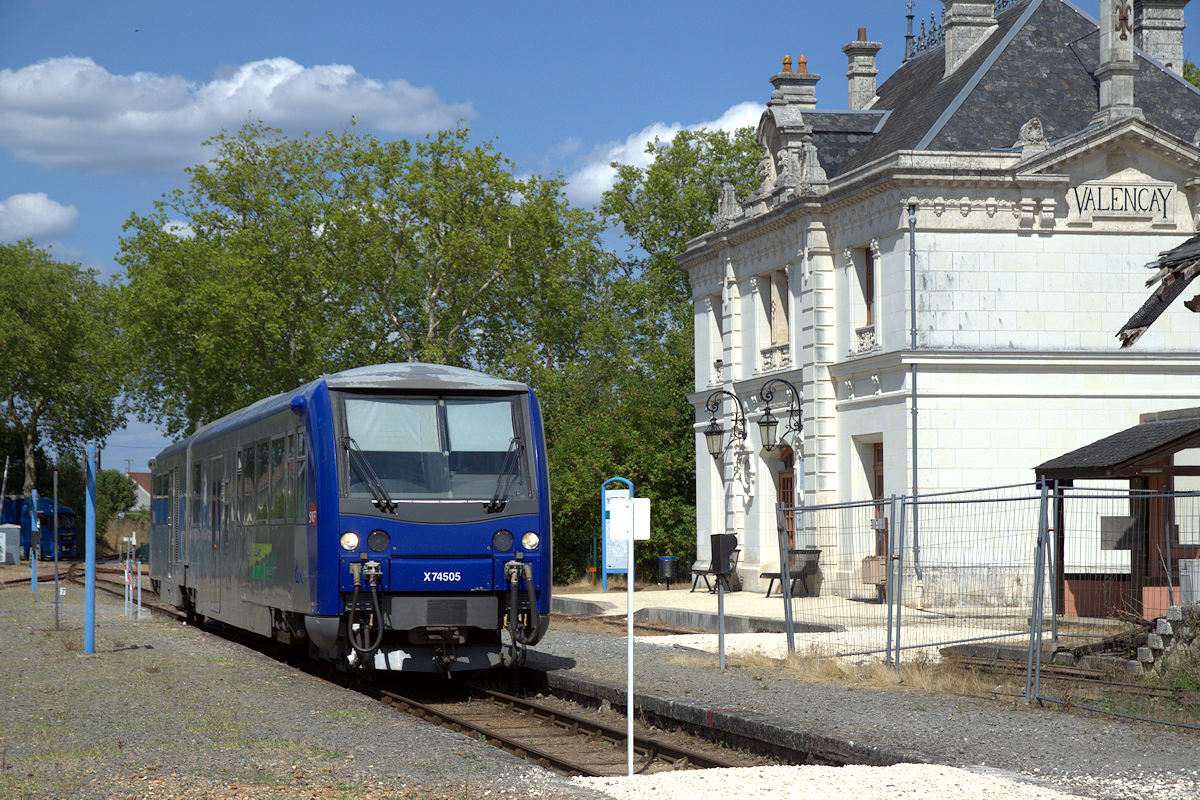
pixel 71 113
pixel 35 216
pixel 588 183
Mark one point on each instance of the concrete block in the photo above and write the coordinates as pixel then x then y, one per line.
pixel 1145 656
pixel 1154 641
pixel 1175 614
pixel 1064 658
pixel 1163 628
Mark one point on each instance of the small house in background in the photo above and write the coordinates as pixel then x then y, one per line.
pixel 142 479
pixel 938 263
pixel 1124 521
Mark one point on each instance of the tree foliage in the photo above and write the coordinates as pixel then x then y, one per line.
pixel 1191 74
pixel 61 367
pixel 286 257
pixel 628 414
pixel 115 494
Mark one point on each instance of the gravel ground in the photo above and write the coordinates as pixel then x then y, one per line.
pixel 990 741
pixel 166 711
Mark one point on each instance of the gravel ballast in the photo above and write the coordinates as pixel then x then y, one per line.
pixel 987 740
pixel 166 711
pixel 162 710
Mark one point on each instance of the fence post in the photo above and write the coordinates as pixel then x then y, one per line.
pixel 1039 588
pixel 889 587
pixel 899 592
pixel 785 577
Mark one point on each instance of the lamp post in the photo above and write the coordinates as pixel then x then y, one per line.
pixel 768 426
pixel 714 434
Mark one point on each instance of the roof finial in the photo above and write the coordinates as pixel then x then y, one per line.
pixel 908 37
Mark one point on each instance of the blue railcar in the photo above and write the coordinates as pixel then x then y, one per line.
pixel 393 517
pixel 15 511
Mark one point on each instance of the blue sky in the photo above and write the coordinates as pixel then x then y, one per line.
pixel 103 104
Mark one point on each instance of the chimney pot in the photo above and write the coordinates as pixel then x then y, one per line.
pixel 802 64
pixel 862 34
pixel 787 64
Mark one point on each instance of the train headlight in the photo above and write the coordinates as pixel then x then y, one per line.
pixel 349 540
pixel 530 540
pixel 378 540
pixel 502 541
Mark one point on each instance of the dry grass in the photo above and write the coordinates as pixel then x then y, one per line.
pixel 916 675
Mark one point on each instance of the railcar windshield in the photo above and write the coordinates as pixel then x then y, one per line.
pixel 446 448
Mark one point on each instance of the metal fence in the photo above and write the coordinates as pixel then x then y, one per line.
pixel 1083 576
pixel 913 574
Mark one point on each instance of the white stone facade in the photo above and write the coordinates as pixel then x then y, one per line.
pixel 1027 263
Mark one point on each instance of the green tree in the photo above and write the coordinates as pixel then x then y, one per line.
pixel 61 365
pixel 286 257
pixel 115 494
pixel 1191 73
pixel 638 422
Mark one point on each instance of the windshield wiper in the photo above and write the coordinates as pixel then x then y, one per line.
pixel 504 480
pixel 379 495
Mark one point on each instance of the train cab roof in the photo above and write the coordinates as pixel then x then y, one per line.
pixel 416 376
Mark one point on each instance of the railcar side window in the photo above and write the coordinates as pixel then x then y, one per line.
pixel 197 488
pixel 279 486
pixel 262 472
pixel 449 449
pixel 301 495
pixel 216 476
pixel 248 486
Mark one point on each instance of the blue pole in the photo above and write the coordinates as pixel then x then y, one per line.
pixel 35 538
pixel 89 543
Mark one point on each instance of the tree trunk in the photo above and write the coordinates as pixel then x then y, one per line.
pixel 30 441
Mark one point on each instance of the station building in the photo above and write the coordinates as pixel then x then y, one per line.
pixel 964 240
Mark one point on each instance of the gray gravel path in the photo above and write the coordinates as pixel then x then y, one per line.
pixel 161 710
pixel 1087 755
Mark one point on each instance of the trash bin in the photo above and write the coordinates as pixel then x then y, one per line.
pixel 666 569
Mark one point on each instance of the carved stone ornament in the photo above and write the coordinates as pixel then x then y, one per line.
pixel 1031 139
pixel 1124 18
pixel 1046 213
pixel 728 207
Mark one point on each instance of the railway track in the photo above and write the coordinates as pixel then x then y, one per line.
pixel 550 737
pixel 543 735
pixel 1061 672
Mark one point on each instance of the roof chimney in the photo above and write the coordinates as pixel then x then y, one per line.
pixel 862 70
pixel 1158 31
pixel 965 23
pixel 797 88
pixel 1116 69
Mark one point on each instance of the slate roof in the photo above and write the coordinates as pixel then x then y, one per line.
pixel 1116 456
pixel 839 135
pixel 1038 62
